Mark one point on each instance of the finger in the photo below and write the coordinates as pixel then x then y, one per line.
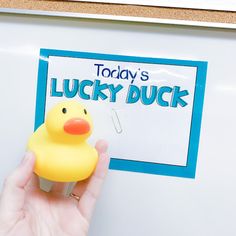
pixel 80 187
pixel 59 188
pixel 91 192
pixel 33 183
pixel 13 194
pixel 101 147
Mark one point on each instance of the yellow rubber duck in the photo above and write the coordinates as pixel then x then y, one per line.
pixel 62 153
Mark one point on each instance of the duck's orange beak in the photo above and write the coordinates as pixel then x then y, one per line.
pixel 76 126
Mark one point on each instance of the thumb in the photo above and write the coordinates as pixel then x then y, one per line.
pixel 13 195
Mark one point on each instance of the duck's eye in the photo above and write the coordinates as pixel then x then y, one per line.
pixel 64 110
pixel 85 111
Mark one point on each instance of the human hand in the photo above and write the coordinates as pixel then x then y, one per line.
pixel 26 210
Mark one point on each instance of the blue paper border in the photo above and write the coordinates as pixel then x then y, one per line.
pixel 116 163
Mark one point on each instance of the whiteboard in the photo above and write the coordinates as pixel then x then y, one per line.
pixel 223 5
pixel 134 203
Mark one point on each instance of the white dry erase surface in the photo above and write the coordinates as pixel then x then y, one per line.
pixel 224 5
pixel 39 54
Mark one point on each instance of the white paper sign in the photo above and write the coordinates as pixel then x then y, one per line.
pixel 149 108
pixel 225 5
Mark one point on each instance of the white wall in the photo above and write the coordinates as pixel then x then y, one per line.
pixel 131 203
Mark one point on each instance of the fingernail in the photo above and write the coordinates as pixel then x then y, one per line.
pixel 103 146
pixel 27 157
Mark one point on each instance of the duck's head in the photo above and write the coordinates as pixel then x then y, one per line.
pixel 69 121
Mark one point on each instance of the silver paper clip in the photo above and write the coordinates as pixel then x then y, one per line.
pixel 116 122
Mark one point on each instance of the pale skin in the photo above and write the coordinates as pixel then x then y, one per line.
pixel 28 211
